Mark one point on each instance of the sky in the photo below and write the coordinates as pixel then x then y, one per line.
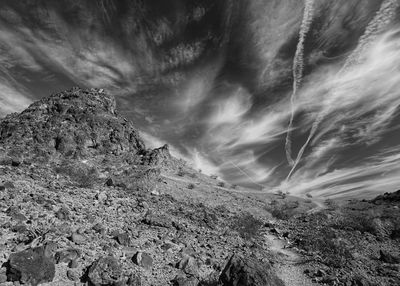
pixel 277 95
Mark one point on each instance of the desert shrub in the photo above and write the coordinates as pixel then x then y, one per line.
pixel 396 231
pixel 83 175
pixel 143 180
pixel 180 172
pixel 331 204
pixel 246 225
pixel 284 211
pixel 358 220
pixel 221 184
pixel 333 250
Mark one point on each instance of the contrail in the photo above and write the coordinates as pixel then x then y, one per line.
pixel 298 67
pixel 378 24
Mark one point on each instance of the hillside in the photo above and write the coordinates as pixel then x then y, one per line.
pixel 84 202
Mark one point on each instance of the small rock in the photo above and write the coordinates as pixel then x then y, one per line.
pixel 3 278
pixel 134 280
pixel 182 280
pixel 9 185
pixel 105 271
pixel 73 264
pixel 143 259
pixel 188 265
pixel 101 197
pixel 78 238
pixel 110 183
pixel 123 239
pixel 31 267
pixel 62 214
pixel 129 252
pixel 72 275
pixel 68 255
pixel 99 228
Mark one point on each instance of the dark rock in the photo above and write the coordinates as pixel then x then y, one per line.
pixel 248 271
pixel 157 220
pixel 19 228
pixel 30 267
pixel 68 255
pixel 9 185
pixel 388 257
pixel 143 259
pixel 134 280
pixel 387 198
pixel 123 239
pixel 183 280
pixel 99 228
pixel 62 214
pixel 110 183
pixel 105 271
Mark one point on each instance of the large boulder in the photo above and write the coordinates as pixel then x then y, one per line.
pixel 31 267
pixel 248 271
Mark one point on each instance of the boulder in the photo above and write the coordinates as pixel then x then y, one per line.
pixel 390 258
pixel 143 259
pixel 105 271
pixel 248 271
pixel 188 265
pixel 31 267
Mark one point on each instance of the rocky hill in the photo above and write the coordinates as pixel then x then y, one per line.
pixel 82 201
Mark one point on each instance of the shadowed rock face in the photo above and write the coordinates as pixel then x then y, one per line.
pixel 31 267
pixel 74 123
pixel 248 271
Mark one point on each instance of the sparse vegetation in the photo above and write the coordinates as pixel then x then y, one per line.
pixel 283 211
pixel 83 175
pixel 247 225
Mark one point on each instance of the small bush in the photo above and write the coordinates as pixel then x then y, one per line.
pixel 83 175
pixel 247 226
pixel 284 211
pixel 334 250
pixel 221 184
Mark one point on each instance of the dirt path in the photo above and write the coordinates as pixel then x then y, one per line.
pixel 289 267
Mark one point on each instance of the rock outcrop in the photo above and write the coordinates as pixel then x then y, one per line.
pixel 248 271
pixel 74 123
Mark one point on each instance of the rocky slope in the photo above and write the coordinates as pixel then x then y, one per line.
pixel 82 201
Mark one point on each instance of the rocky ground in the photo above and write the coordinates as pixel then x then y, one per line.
pixel 83 202
pixel 351 243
